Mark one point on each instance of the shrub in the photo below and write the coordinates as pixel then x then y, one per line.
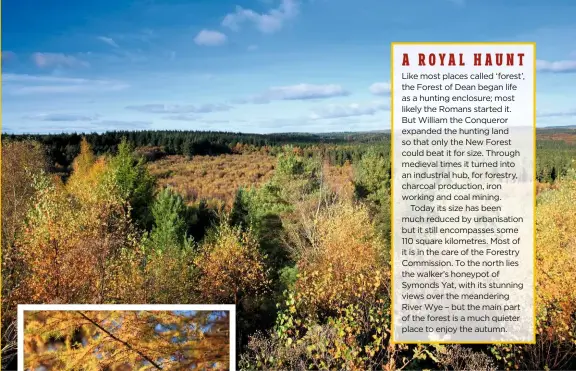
pixel 231 267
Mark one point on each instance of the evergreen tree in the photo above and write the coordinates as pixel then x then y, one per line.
pixel 239 215
pixel 134 182
pixel 170 226
pixel 187 148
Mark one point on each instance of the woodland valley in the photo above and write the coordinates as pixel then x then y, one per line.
pixel 294 229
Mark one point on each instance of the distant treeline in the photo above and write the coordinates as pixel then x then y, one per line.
pixel 63 148
pixel 554 157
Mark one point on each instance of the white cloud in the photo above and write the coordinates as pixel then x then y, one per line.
pixel 269 22
pixel 179 109
pixel 184 117
pixel 567 113
pixel 65 89
pixel 348 110
pixel 24 78
pixel 255 99
pixel 210 38
pixel 112 125
pixel 564 66
pixel 330 125
pixel 61 117
pixel 22 84
pixel 108 40
pixel 305 91
pixel 380 88
pixel 44 60
pixel 84 126
pixel 295 92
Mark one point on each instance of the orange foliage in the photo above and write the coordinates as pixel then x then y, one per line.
pixel 22 162
pixel 568 137
pixel 126 340
pixel 231 267
pixel 217 178
pixel 212 177
pixel 340 179
pixel 345 263
pixel 543 187
pixel 556 250
pixel 74 231
pixel 555 346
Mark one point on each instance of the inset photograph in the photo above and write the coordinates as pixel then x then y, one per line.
pixel 126 337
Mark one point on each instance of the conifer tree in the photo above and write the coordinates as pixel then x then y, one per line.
pixel 169 228
pixel 134 183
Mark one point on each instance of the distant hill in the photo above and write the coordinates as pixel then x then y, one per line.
pixel 568 127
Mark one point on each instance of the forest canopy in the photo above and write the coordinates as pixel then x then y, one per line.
pixel 302 248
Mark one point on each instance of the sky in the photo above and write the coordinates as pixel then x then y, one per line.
pixel 256 66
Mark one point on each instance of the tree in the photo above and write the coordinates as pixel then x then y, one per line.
pixel 231 267
pixel 22 162
pixel 555 346
pixel 296 181
pixel 84 161
pixel 297 176
pixel 81 226
pixel 342 263
pixel 372 185
pixel 239 214
pixel 134 183
pixel 372 174
pixel 336 315
pixel 187 148
pixel 69 234
pixel 166 274
pixel 170 226
pixel 149 340
pixel 87 183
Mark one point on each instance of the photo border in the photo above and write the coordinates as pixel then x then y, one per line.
pixel 127 307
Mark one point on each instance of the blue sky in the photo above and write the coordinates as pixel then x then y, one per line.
pixel 256 66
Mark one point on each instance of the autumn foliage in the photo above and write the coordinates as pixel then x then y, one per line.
pixel 22 163
pixel 555 346
pixel 301 247
pixel 212 177
pixel 126 340
pixel 343 264
pixel 74 229
pixel 231 267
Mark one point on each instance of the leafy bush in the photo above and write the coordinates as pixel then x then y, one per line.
pixel 555 346
pixel 231 267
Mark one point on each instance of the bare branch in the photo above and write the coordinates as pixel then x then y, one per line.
pixel 120 341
